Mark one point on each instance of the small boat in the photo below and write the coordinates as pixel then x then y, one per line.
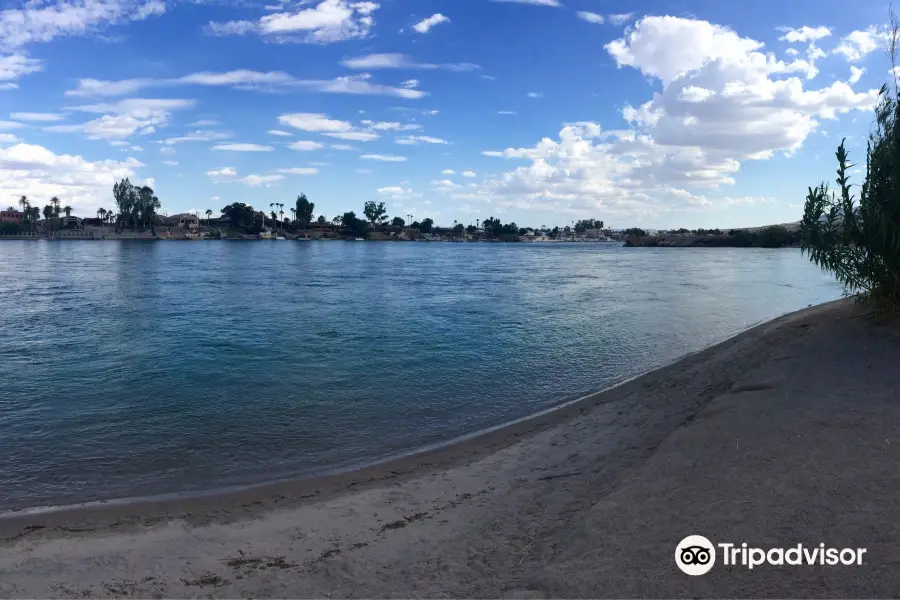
pixel 359 239
pixel 278 237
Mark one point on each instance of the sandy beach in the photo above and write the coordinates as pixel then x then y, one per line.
pixel 788 433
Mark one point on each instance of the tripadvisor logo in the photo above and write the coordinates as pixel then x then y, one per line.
pixel 696 555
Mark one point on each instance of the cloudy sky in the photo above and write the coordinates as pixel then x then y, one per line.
pixel 658 114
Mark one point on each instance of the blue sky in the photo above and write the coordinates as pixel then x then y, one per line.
pixel 695 113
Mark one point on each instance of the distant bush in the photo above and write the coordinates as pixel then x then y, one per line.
pixel 10 228
pixel 859 242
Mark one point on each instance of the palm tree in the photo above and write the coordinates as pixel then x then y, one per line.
pixel 281 214
pixel 101 214
pixel 34 214
pixel 294 216
pixel 54 202
pixel 208 215
pixel 68 210
pixel 272 206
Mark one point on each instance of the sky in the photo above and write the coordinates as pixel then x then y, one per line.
pixel 695 113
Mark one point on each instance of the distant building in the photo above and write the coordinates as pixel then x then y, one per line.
pixel 11 216
pixel 184 220
pixel 70 222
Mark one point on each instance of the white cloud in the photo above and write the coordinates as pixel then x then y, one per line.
pixel 279 132
pixel 36 116
pixel 554 3
pixel 203 123
pixel 469 174
pixel 364 171
pixel 858 44
pixel 223 174
pixel 44 20
pixel 35 171
pixel 305 146
pixel 195 136
pixel 244 79
pixel 391 126
pixel 329 21
pixel 10 125
pixel 171 163
pixel 535 94
pixel 298 171
pixel 722 102
pixel 125 118
pixel 507 112
pixel 410 84
pixel 355 136
pixel 855 74
pixel 8 138
pixel 448 172
pixel 342 147
pixel 693 93
pixel 620 19
pixel 412 140
pixel 804 34
pixel 243 148
pixel 13 66
pixel 383 158
pixel 394 60
pixel 5 87
pixel 398 192
pixel 263 180
pixel 314 122
pixel 425 25
pixel 590 17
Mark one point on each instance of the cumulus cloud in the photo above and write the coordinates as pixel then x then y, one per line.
pixel 194 136
pixel 804 34
pixel 133 116
pixel 279 132
pixel 856 74
pixel 398 192
pixel 44 20
pixel 328 22
pixel 14 66
pixel 723 101
pixel 34 171
pixel 858 44
pixel 425 25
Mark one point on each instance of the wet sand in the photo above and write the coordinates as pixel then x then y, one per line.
pixel 788 433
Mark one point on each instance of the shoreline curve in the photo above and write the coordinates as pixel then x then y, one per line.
pixel 226 502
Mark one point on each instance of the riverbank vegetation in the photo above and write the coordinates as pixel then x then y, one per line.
pixel 858 240
pixel 775 236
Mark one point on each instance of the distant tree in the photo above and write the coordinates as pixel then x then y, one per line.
pixel 48 213
pixel 398 222
pixel 55 203
pixel 126 201
pixel 471 229
pixel 375 213
pixel 209 214
pixel 774 237
pixel 584 224
pixel 567 229
pixel 635 231
pixel 304 210
pixel 356 226
pixel 10 228
pixel 522 231
pixel 241 215
pixel 426 226
pixel 321 220
pixel 68 210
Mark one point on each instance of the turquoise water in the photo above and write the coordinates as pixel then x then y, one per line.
pixel 132 369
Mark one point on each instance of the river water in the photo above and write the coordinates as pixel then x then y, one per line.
pixel 132 369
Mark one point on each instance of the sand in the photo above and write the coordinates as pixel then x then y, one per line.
pixel 788 433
